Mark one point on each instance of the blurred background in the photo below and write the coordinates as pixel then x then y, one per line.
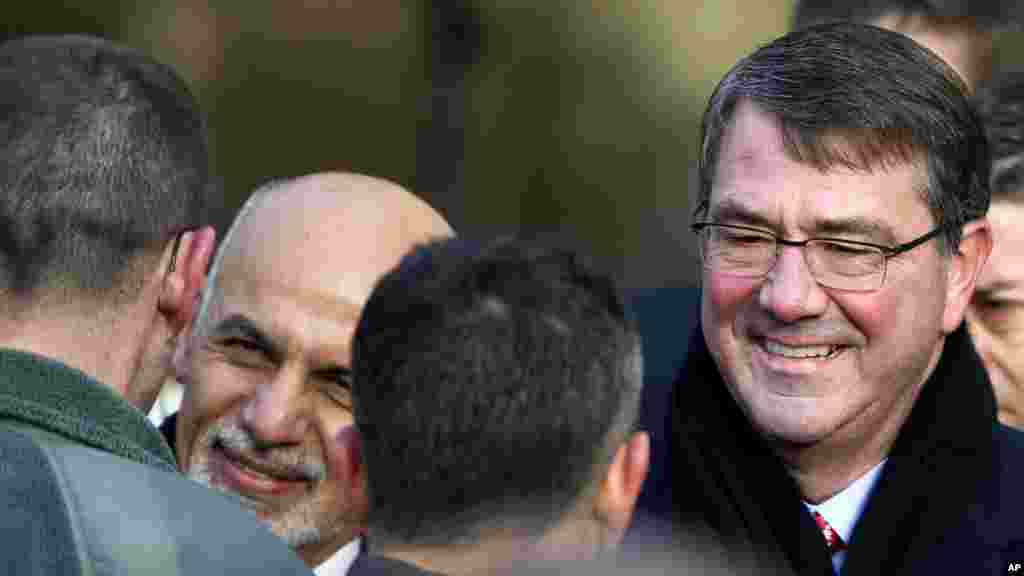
pixel 575 118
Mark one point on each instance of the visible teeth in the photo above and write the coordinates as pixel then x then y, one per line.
pixel 239 463
pixel 256 473
pixel 799 351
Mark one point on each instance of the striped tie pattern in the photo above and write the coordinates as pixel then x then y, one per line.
pixel 832 539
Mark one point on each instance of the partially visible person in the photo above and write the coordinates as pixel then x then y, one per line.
pixel 266 362
pixel 996 313
pixel 103 180
pixel 496 388
pixel 961 32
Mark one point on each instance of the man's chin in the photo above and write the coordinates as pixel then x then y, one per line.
pixel 297 537
pixel 284 514
pixel 788 428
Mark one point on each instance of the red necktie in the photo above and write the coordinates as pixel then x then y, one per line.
pixel 832 540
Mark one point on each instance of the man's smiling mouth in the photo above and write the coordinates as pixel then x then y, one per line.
pixel 260 470
pixel 801 352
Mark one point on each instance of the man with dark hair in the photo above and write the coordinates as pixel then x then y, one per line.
pixel 496 388
pixel 995 316
pixel 103 170
pixel 830 413
pixel 959 31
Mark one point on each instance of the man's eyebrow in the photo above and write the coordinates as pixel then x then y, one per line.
pixel 854 226
pixel 730 210
pixel 241 326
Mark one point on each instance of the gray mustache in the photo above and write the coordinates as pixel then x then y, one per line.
pixel 285 460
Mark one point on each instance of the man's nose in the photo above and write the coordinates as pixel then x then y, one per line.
pixel 790 291
pixel 278 411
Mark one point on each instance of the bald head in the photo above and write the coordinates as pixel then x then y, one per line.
pixel 267 404
pixel 347 229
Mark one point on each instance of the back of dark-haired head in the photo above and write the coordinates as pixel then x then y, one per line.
pixel 1001 106
pixel 103 158
pixel 983 15
pixel 859 97
pixel 492 383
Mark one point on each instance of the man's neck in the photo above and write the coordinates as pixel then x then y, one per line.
pixel 112 355
pixel 458 559
pixel 821 481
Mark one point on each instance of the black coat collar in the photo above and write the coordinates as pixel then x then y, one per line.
pixel 725 476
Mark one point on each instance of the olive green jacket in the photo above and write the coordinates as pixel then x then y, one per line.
pixel 88 487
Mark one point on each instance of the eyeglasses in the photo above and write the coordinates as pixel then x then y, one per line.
pixel 840 264
pixel 177 233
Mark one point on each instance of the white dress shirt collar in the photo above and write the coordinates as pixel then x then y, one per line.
pixel 339 562
pixel 843 510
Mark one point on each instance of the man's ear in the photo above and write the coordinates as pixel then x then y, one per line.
pixel 181 358
pixel 964 267
pixel 622 484
pixel 185 276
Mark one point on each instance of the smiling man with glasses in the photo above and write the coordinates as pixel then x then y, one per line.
pixel 831 413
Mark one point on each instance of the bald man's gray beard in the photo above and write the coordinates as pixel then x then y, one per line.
pixel 301 523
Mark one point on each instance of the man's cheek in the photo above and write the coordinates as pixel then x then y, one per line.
pixel 725 289
pixel 345 453
pixel 346 470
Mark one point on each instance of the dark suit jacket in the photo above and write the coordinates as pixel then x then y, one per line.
pixel 368 565
pixel 950 499
pixel 666 319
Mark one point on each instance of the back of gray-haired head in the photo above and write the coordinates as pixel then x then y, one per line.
pixel 103 158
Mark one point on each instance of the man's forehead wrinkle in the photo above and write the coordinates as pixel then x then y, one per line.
pixel 264 289
pixel 750 130
pixel 753 132
pixel 732 207
pixel 751 144
pixel 326 303
pixel 752 187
